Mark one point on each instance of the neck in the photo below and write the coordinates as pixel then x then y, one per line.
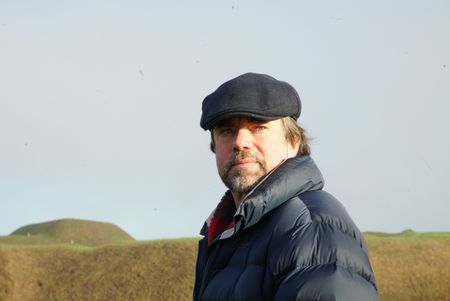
pixel 237 197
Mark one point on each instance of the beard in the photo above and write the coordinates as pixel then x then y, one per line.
pixel 239 179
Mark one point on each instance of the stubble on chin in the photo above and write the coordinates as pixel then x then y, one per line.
pixel 239 179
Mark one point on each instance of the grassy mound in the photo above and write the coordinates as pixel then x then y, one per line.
pixel 409 266
pixel 71 231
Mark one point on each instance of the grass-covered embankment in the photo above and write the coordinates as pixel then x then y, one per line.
pixel 85 232
pixel 156 270
pixel 409 266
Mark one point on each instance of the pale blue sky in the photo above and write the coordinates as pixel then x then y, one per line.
pixel 100 104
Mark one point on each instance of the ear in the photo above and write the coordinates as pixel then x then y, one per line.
pixel 293 148
pixel 212 144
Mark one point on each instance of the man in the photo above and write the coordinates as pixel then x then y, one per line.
pixel 275 235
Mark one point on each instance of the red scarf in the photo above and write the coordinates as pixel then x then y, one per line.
pixel 223 218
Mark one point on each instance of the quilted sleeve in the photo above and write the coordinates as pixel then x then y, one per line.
pixel 322 256
pixel 325 282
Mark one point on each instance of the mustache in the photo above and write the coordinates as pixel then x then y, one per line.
pixel 237 156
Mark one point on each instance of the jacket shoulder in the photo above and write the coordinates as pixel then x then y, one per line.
pixel 314 207
pixel 323 208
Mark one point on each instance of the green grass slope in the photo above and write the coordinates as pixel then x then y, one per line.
pixel 74 231
pixel 409 266
pixel 152 270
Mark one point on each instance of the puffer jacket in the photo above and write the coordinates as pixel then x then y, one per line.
pixel 288 240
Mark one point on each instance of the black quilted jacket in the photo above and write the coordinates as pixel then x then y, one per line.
pixel 290 241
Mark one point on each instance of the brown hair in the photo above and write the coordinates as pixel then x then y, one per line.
pixel 293 133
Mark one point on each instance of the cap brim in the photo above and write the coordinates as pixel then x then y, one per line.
pixel 210 124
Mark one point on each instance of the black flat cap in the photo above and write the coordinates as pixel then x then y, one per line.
pixel 254 95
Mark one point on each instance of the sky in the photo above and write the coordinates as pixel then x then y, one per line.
pixel 100 103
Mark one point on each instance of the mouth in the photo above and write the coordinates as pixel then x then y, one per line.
pixel 244 162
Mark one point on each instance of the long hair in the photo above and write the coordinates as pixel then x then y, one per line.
pixel 295 133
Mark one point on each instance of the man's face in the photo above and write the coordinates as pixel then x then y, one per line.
pixel 247 149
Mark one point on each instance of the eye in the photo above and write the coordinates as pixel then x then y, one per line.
pixel 226 131
pixel 259 128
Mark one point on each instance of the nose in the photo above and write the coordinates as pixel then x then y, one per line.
pixel 243 140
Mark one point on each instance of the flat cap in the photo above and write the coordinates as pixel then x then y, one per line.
pixel 251 94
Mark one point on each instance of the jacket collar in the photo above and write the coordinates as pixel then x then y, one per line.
pixel 293 177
